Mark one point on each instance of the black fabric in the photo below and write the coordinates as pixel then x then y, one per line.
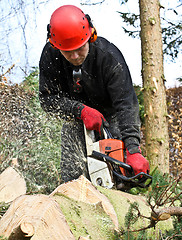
pixel 106 84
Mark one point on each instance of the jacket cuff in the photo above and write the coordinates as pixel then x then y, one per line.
pixel 77 109
pixel 131 143
pixel 134 150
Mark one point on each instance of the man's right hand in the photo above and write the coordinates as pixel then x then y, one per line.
pixel 135 159
pixel 93 119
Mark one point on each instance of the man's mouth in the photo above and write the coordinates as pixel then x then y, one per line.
pixel 77 62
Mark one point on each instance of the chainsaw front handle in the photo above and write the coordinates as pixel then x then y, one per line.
pixel 142 179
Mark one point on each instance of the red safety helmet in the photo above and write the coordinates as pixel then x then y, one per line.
pixel 70 28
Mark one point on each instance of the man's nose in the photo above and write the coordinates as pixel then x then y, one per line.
pixel 74 55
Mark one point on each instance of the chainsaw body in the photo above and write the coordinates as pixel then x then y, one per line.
pixel 104 157
pixel 99 172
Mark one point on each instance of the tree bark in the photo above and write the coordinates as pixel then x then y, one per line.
pixel 157 146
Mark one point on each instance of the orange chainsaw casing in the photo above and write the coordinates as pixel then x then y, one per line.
pixel 114 148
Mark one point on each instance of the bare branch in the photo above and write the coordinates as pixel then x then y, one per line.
pixel 89 4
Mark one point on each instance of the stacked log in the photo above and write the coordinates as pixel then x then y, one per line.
pixel 12 185
pixel 74 210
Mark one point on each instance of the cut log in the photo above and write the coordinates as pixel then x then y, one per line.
pixel 37 217
pixel 83 190
pixel 165 213
pixel 12 185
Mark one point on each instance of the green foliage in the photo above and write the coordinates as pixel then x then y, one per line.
pixel 142 235
pixel 3 238
pixel 175 234
pixel 177 222
pixel 172 38
pixel 165 191
pixel 132 21
pixel 31 82
pixel 44 150
pixel 41 158
pixel 130 18
pixel 132 215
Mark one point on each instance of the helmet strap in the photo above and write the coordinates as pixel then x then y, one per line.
pixel 89 20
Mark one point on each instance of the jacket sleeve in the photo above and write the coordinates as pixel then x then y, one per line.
pixel 124 99
pixel 52 96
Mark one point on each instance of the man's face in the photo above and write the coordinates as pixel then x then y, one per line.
pixel 78 56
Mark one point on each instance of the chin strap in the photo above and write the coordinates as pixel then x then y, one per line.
pixel 77 76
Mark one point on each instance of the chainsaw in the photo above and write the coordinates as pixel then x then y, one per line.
pixel 106 163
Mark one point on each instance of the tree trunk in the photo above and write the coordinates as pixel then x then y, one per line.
pixel 157 146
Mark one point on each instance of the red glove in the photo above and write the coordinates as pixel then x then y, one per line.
pixel 137 161
pixel 93 119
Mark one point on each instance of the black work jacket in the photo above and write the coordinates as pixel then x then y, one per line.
pixel 106 86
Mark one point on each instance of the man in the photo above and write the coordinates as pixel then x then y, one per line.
pixel 86 78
